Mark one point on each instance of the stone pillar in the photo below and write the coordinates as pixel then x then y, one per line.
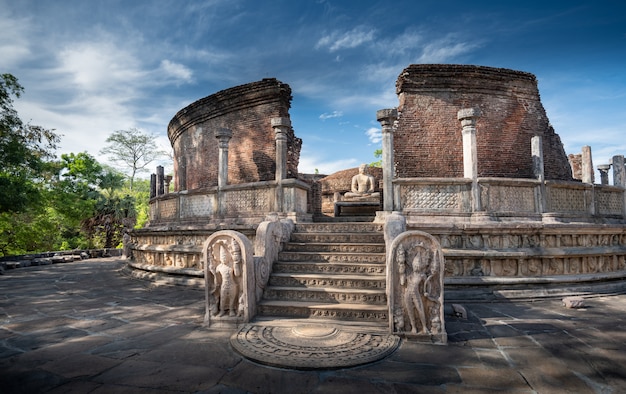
pixel 223 135
pixel 536 148
pixel 281 128
pixel 587 165
pixel 468 117
pixel 619 176
pixel 387 117
pixel 167 181
pixel 159 180
pixel 153 187
pixel 604 173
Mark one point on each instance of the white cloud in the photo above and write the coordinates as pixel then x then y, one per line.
pixel 308 164
pixel 176 71
pixel 374 134
pixel 334 114
pixel 14 46
pixel 444 49
pixel 345 40
pixel 99 67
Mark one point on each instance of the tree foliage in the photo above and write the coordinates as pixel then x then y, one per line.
pixel 25 153
pixel 378 153
pixel 47 203
pixel 132 149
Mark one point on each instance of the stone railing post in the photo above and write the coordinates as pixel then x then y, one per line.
pixel 153 186
pixel 619 177
pixel 387 118
pixel 587 165
pixel 223 136
pixel 468 117
pixel 604 173
pixel 167 180
pixel 536 148
pixel 160 176
pixel 281 128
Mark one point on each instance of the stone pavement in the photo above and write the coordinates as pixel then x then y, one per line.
pixel 85 327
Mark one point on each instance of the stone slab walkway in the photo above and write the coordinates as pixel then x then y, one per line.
pixel 84 327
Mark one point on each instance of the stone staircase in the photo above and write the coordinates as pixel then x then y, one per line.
pixel 333 271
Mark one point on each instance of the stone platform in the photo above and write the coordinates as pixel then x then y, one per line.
pixel 86 327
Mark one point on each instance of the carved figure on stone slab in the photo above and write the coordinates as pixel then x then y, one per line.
pixel 363 185
pixel 416 270
pixel 413 292
pixel 225 281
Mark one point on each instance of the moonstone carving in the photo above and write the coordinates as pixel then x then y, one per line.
pixel 415 270
pixel 229 278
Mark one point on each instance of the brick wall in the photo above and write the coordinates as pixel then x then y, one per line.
pixel 246 110
pixel 428 141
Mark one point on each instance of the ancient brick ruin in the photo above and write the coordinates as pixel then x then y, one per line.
pixel 475 194
pixel 246 111
pixel 427 143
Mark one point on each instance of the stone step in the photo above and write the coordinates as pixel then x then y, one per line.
pixel 327 281
pixel 327 295
pixel 347 237
pixel 331 257
pixel 338 227
pixel 334 247
pixel 351 219
pixel 308 267
pixel 346 312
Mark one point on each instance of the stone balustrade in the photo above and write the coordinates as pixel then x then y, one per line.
pixel 507 199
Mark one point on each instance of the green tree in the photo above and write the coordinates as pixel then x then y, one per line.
pixel 133 150
pixel 378 153
pixel 25 153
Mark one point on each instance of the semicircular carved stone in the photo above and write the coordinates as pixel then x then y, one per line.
pixel 415 271
pixel 229 279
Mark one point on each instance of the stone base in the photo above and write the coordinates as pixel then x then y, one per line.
pixel 309 346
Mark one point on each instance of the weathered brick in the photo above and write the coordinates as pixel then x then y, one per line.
pixel 428 142
pixel 246 110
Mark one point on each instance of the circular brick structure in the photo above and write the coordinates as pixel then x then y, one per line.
pixel 428 142
pixel 246 110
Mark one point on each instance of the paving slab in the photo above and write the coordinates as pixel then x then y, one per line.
pixel 86 326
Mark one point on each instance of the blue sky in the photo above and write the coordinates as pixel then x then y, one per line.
pixel 92 67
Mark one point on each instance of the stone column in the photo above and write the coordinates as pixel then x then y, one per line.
pixel 387 117
pixel 153 187
pixel 536 148
pixel 604 173
pixel 167 180
pixel 159 180
pixel 619 177
pixel 468 117
pixel 587 165
pixel 281 128
pixel 223 135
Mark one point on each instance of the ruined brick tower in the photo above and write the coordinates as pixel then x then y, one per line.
pixel 245 110
pixel 428 143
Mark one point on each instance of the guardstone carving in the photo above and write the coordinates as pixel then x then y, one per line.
pixel 415 270
pixel 229 278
